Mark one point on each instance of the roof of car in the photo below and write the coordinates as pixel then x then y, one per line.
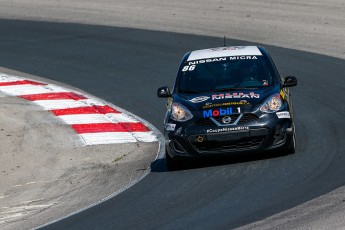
pixel 224 52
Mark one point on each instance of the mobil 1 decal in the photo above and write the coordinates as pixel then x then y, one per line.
pixel 220 112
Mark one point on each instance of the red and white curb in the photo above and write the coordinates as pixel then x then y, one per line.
pixel 95 121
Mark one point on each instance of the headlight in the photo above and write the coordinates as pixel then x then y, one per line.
pixel 272 104
pixel 180 113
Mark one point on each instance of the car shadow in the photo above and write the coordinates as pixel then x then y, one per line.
pixel 159 165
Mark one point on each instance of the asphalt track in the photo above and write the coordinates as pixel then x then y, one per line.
pixel 126 66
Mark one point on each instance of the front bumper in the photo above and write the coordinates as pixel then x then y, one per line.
pixel 189 140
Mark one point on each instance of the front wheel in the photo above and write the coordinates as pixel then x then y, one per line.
pixel 172 164
pixel 291 148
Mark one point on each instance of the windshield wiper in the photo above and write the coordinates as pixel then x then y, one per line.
pixel 188 91
pixel 224 89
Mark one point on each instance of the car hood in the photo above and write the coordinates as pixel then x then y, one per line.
pixel 248 100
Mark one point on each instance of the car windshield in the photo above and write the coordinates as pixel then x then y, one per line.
pixel 225 74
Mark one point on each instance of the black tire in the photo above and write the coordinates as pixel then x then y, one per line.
pixel 172 164
pixel 291 148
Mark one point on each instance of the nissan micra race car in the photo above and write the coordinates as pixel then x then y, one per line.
pixel 228 100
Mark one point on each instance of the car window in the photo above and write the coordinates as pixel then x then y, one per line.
pixel 226 73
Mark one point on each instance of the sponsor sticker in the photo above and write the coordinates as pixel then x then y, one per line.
pixel 281 115
pixel 243 58
pixel 170 127
pixel 238 103
pixel 191 63
pixel 282 94
pixel 227 129
pixel 217 112
pixel 234 95
pixel 178 131
pixel 228 48
pixel 242 52
pixel 199 99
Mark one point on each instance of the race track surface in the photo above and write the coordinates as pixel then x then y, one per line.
pixel 132 64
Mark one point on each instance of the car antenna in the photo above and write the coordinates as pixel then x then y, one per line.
pixel 224 41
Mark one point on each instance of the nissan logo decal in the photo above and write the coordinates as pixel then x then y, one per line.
pixel 226 120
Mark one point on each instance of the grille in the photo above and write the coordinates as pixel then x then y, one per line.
pixel 205 122
pixel 246 118
pixel 243 144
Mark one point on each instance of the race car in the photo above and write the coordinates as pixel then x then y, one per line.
pixel 228 100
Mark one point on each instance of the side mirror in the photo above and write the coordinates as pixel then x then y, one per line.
pixel 289 81
pixel 163 92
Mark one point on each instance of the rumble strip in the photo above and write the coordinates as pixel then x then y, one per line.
pixel 95 121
